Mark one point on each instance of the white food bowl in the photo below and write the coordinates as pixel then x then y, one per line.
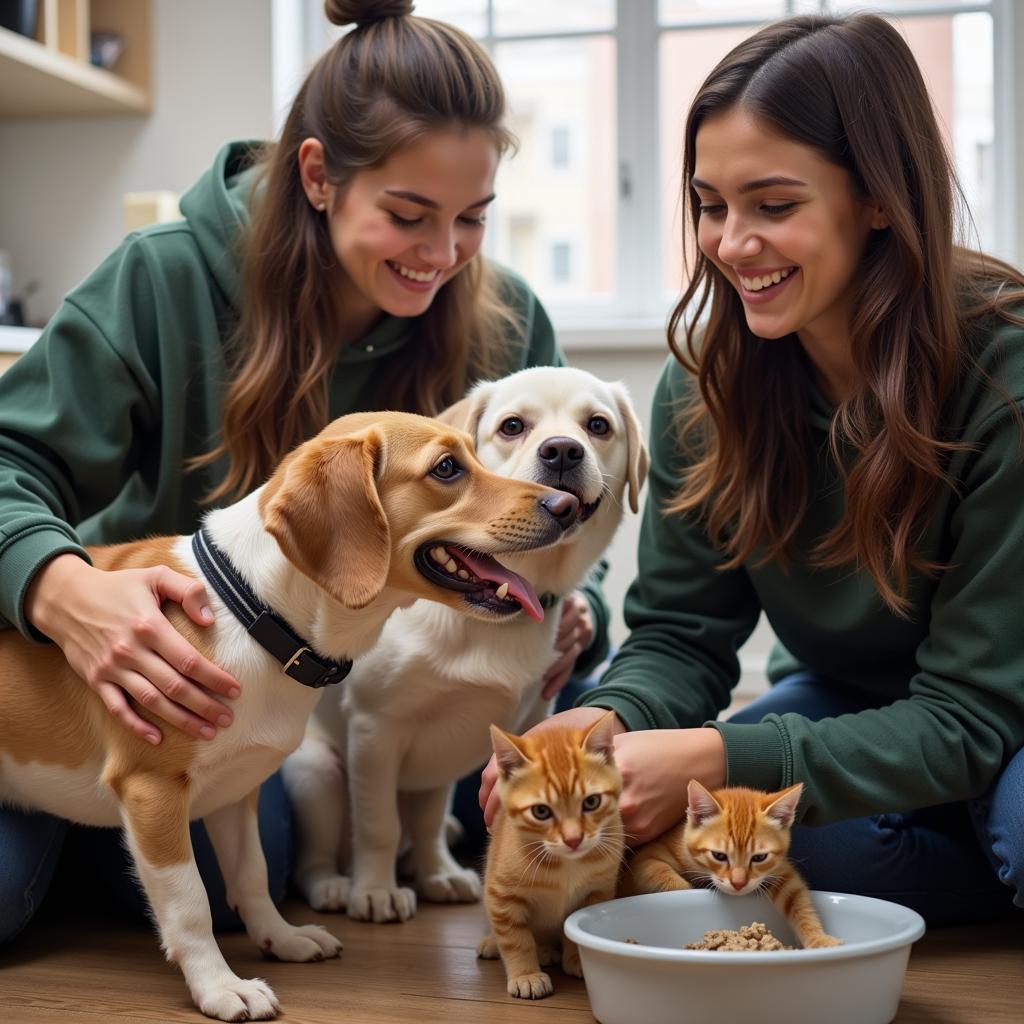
pixel 659 982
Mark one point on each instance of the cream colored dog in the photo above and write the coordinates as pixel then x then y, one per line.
pixel 415 715
pixel 334 542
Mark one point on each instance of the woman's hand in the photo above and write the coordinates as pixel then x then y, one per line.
pixel 114 635
pixel 656 765
pixel 574 718
pixel 575 631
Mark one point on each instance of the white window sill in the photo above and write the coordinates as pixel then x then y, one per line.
pixel 637 334
pixel 17 339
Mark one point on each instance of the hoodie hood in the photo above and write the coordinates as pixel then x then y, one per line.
pixel 216 208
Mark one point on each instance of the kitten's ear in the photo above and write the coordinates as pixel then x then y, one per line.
pixel 782 810
pixel 509 754
pixel 600 737
pixel 702 805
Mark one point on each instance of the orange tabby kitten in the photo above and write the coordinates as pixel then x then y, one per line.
pixel 738 839
pixel 556 845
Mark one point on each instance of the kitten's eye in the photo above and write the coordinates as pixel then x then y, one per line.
pixel 447 469
pixel 541 812
pixel 512 427
pixel 598 425
pixel 758 858
pixel 722 858
pixel 592 802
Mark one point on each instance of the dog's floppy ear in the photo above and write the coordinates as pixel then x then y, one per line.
pixel 465 414
pixel 638 459
pixel 323 510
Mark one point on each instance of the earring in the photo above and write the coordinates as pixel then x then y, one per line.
pixel 321 207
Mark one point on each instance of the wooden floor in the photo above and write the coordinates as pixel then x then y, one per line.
pixel 71 969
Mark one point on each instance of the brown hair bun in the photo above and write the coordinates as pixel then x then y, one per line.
pixel 362 12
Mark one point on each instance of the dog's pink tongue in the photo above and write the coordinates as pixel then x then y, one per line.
pixel 488 569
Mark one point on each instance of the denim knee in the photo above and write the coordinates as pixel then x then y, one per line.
pixel 999 825
pixel 30 844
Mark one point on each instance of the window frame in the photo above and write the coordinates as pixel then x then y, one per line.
pixel 637 313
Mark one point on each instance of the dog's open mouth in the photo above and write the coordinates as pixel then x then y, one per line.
pixel 485 582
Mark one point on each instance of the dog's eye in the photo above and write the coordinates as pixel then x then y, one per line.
pixel 512 426
pixel 598 425
pixel 446 469
pixel 541 812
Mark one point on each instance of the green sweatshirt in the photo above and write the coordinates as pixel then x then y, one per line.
pixel 99 418
pixel 951 679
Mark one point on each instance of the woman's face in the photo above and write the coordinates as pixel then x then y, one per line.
pixel 783 225
pixel 402 230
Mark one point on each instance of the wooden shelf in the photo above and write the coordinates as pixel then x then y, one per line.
pixel 53 78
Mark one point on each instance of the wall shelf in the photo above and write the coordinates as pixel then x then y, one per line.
pixel 51 76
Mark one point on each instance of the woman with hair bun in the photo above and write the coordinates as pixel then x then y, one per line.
pixel 335 270
pixel 837 441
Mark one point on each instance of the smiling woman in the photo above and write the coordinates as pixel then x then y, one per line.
pixel 335 270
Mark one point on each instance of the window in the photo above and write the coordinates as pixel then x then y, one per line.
pixel 560 147
pixel 598 91
pixel 561 266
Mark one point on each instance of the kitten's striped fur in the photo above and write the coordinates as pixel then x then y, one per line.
pixel 738 839
pixel 556 845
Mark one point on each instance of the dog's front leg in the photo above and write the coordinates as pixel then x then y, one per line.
pixel 234 832
pixel 439 876
pixel 372 767
pixel 155 814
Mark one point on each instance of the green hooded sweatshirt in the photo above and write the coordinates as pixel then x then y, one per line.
pixel 100 417
pixel 948 681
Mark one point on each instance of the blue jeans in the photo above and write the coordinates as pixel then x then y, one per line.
pixel 91 865
pixel 954 863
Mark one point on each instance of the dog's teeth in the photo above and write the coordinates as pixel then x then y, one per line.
pixel 451 565
pixel 462 574
pixel 439 555
pixel 502 591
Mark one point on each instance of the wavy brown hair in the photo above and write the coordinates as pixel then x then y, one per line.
pixel 385 84
pixel 851 89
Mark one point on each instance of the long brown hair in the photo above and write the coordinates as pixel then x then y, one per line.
pixel 380 87
pixel 851 89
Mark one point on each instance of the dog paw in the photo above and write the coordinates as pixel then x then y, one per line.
pixel 329 894
pixel 238 999
pixel 822 941
pixel 487 949
pixel 379 905
pixel 451 886
pixel 302 944
pixel 530 986
pixel 571 963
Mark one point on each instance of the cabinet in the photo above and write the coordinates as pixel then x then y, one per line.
pixel 50 76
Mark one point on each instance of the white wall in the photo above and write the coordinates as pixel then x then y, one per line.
pixel 63 180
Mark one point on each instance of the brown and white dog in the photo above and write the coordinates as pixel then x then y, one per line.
pixel 334 542
pixel 380 758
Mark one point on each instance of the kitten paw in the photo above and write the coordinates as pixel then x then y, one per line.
pixel 549 955
pixel 379 905
pixel 329 894
pixel 530 986
pixel 487 949
pixel 458 886
pixel 822 942
pixel 302 944
pixel 238 999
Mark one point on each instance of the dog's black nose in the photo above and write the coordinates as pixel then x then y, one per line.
pixel 560 453
pixel 562 507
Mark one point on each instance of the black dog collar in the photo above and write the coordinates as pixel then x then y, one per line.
pixel 265 626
